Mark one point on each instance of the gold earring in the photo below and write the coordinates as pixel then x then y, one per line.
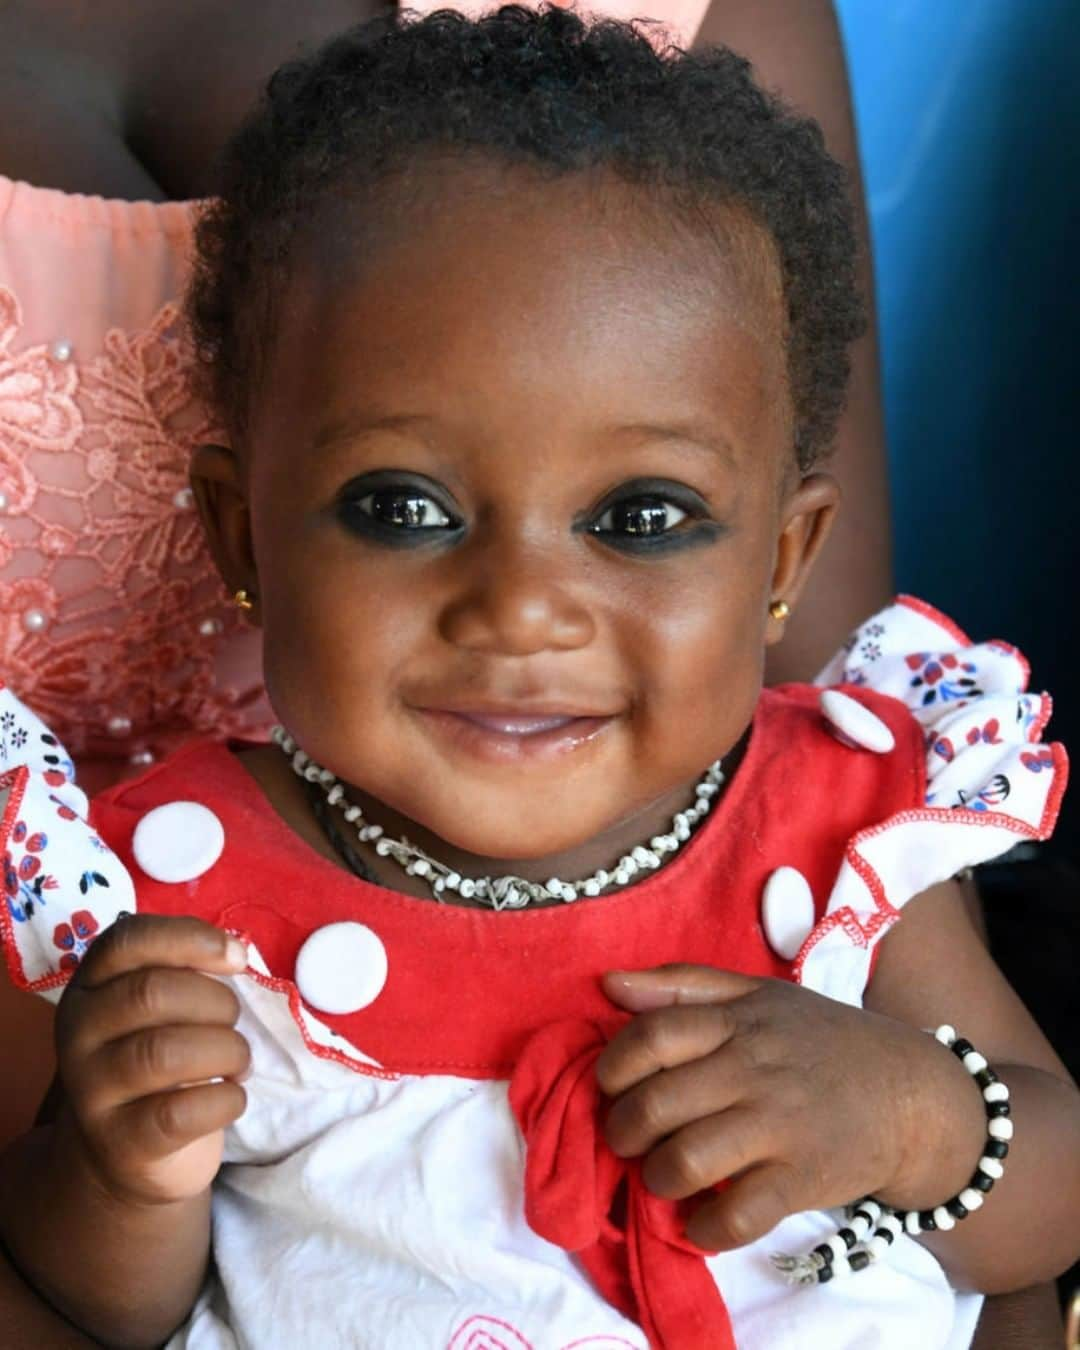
pixel 243 599
pixel 780 609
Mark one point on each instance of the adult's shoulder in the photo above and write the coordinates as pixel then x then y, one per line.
pixel 136 101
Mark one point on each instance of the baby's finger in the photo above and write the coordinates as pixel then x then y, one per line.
pixel 706 1152
pixel 159 940
pixel 161 1058
pixel 152 996
pixel 748 1209
pixel 662 1039
pixel 640 990
pixel 673 1098
pixel 157 1126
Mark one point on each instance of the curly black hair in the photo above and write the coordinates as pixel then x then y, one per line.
pixel 541 88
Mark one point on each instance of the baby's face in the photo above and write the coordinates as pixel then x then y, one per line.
pixel 521 492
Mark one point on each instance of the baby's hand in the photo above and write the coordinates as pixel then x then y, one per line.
pixel 143 1035
pixel 801 1102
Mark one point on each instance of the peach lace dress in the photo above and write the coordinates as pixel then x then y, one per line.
pixel 114 626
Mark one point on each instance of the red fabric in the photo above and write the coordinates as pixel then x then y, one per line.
pixel 517 995
pixel 467 988
pixel 649 1271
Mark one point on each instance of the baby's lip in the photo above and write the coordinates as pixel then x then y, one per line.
pixel 501 733
pixel 518 724
pixel 510 716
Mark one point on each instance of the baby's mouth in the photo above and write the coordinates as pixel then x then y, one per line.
pixel 518 726
pixel 505 734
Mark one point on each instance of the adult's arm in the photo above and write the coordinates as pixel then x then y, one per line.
pixel 796 51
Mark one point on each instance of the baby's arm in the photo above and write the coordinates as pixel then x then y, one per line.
pixel 803 1103
pixel 107 1210
pixel 27 1320
pixel 934 969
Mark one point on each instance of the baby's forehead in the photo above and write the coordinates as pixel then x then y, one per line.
pixel 592 235
pixel 502 307
pixel 547 94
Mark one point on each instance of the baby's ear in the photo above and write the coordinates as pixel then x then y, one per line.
pixel 218 485
pixel 805 523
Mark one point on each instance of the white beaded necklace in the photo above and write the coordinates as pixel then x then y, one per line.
pixel 508 892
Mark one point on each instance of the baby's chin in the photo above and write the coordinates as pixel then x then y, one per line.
pixel 526 838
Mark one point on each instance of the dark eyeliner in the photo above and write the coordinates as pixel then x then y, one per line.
pixel 696 535
pixel 697 530
pixel 346 508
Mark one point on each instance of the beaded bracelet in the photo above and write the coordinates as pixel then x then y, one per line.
pixel 872 1227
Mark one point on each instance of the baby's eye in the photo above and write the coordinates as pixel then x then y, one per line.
pixel 404 509
pixel 398 509
pixel 639 518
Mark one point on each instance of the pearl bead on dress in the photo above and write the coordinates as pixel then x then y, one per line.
pixel 34 620
pixel 184 499
pixel 119 725
pixel 3 501
pixel 210 627
pixel 61 350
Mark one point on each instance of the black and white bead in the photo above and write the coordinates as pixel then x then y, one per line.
pixel 999 1131
pixel 872 1227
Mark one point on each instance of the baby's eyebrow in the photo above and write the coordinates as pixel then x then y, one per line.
pixel 688 434
pixel 353 426
pixel 691 433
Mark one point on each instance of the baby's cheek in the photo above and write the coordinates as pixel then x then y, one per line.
pixel 702 665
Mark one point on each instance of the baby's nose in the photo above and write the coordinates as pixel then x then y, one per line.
pixel 518 607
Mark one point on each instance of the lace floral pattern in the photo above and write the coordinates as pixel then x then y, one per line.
pixel 113 624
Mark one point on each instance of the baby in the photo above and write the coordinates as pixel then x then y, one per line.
pixel 545 977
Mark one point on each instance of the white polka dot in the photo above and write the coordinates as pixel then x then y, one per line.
pixel 855 724
pixel 178 842
pixel 787 911
pixel 341 968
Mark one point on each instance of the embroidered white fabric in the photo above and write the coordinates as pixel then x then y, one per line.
pixel 388 1214
pixel 61 884
pixel 991 783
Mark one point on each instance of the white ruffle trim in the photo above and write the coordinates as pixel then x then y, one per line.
pixel 991 782
pixel 62 885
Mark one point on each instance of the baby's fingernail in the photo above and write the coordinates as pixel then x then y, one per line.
pixel 625 978
pixel 236 953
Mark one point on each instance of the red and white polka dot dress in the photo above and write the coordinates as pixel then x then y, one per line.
pixel 421 1160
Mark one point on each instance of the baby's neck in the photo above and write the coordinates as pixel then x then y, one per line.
pixel 291 798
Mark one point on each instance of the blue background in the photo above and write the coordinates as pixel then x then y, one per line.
pixel 969 122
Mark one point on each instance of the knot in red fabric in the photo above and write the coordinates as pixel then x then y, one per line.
pixel 647 1269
